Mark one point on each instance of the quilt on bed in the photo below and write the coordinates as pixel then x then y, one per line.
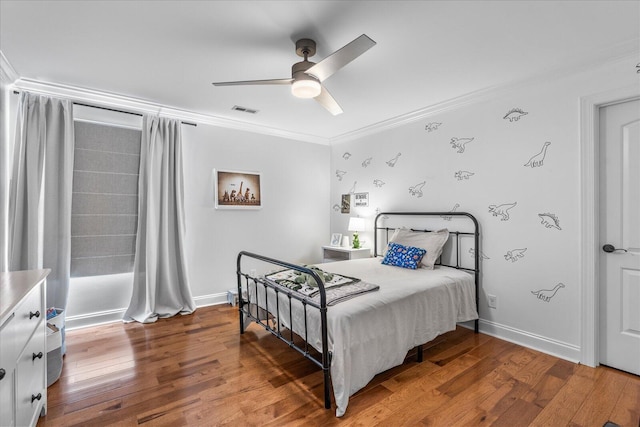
pixel 338 288
pixel 372 333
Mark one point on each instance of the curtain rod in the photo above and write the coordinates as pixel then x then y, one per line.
pixel 113 109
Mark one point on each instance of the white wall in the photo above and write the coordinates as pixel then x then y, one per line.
pixel 4 168
pixel 496 156
pixel 8 111
pixel 292 224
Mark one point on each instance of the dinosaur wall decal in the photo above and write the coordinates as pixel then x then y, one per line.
pixel 538 159
pixel 514 114
pixel 460 175
pixel 453 209
pixel 460 143
pixel 472 251
pixel 340 174
pixel 346 155
pixel 515 254
pixel 502 210
pixel 430 127
pixel 549 220
pixel 366 162
pixel 416 190
pixel 378 183
pixel 393 161
pixel 546 294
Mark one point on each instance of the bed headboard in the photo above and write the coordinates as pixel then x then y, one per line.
pixel 462 250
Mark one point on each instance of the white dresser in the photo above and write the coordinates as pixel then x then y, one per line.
pixel 23 354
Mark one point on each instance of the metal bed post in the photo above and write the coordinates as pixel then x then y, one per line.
pixel 476 234
pixel 325 362
pixel 240 298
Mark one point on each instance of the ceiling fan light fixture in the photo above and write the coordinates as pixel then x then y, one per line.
pixel 303 88
pixel 306 76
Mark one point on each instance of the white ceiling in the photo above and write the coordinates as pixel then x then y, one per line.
pixel 427 52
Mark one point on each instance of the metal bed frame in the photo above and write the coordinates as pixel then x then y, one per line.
pixel 262 316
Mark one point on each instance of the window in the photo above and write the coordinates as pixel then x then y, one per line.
pixel 104 211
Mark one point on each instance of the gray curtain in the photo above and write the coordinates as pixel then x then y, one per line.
pixel 160 284
pixel 40 192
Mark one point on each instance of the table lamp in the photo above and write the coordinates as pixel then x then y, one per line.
pixel 355 225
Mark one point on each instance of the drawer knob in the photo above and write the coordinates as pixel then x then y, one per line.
pixel 36 397
pixel 2 373
pixel 37 356
pixel 32 314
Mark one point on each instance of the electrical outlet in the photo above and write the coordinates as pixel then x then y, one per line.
pixel 492 300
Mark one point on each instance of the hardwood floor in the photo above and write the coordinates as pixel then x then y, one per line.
pixel 198 370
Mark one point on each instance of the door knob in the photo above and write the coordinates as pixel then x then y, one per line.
pixel 610 248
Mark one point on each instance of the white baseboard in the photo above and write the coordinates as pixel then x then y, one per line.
pixel 546 345
pixel 94 319
pixel 101 317
pixel 536 342
pixel 211 299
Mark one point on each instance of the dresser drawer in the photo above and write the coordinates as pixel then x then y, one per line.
pixel 7 394
pixel 8 348
pixel 23 392
pixel 28 315
pixel 30 370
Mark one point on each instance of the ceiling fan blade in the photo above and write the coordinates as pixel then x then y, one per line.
pixel 326 100
pixel 338 59
pixel 256 82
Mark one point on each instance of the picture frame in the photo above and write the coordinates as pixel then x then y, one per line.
pixel 237 189
pixel 336 239
pixel 361 200
pixel 345 203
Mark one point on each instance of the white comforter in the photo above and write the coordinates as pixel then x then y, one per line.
pixel 373 332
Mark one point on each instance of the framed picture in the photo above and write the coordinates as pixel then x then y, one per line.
pixel 361 200
pixel 346 203
pixel 336 239
pixel 237 189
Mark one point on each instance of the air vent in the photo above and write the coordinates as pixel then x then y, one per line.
pixel 243 109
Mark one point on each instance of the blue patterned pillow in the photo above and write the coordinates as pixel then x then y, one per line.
pixel 403 256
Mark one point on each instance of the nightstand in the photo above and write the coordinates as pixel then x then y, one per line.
pixel 338 253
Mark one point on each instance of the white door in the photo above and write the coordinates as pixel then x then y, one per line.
pixel 620 236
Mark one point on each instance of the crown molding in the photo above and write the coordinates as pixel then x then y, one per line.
pixel 624 51
pixel 8 74
pixel 134 105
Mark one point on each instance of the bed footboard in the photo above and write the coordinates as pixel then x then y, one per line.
pixel 251 286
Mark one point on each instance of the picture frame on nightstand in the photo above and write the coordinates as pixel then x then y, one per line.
pixel 336 238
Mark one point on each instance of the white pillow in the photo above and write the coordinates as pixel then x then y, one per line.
pixel 431 241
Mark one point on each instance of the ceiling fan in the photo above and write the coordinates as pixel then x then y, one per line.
pixel 307 76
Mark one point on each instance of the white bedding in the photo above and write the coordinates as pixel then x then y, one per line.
pixel 373 332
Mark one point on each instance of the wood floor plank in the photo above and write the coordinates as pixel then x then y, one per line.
pixel 520 414
pixel 460 405
pixel 411 412
pixel 563 407
pixel 198 370
pixel 627 409
pixel 544 391
pixel 488 411
pixel 595 411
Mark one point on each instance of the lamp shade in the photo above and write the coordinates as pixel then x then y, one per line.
pixel 356 224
